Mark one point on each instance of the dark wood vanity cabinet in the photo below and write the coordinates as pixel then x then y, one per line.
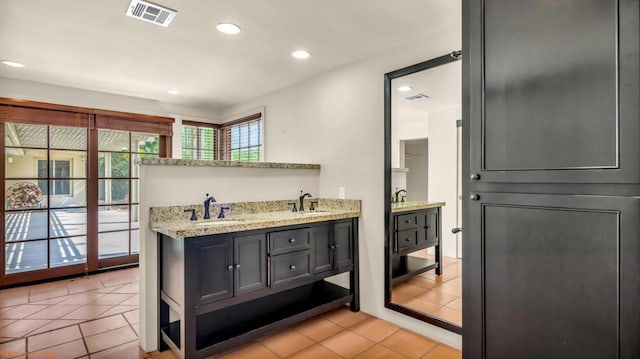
pixel 414 231
pixel 227 289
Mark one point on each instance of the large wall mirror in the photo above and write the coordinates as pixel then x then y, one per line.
pixel 423 109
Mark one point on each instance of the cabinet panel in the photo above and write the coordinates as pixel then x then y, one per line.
pixel 214 268
pixel 287 267
pixel 406 240
pixel 343 245
pixel 321 253
pixel 406 221
pixel 560 99
pixel 250 256
pixel 428 227
pixel 554 275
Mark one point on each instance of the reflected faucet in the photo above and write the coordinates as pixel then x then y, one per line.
pixel 398 193
pixel 207 202
pixel 302 196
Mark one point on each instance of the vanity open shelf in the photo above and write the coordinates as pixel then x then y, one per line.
pixel 220 291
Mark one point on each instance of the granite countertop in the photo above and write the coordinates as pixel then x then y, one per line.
pixel 202 163
pixel 245 216
pixel 414 205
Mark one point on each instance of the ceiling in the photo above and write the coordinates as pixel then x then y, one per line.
pixel 93 45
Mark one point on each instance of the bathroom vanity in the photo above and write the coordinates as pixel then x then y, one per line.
pixel 226 282
pixel 416 225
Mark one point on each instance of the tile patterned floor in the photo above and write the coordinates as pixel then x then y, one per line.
pixel 97 317
pixel 439 296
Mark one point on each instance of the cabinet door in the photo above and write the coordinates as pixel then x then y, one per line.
pixel 321 253
pixel 554 91
pixel 343 245
pixel 250 263
pixel 428 227
pixel 552 276
pixel 213 268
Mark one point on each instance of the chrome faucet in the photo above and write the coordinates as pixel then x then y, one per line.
pixel 207 202
pixel 302 196
pixel 398 193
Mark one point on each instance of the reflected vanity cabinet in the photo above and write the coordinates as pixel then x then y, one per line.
pixel 227 289
pixel 415 230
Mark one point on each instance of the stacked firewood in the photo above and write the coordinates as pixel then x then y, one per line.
pixel 23 195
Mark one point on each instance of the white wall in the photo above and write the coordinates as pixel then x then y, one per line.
pixel 443 147
pixel 336 119
pixel 418 175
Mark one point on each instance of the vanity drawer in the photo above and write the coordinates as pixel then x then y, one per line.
pixel 287 267
pixel 406 221
pixel 405 240
pixel 289 241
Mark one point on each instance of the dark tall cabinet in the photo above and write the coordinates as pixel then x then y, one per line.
pixel 551 127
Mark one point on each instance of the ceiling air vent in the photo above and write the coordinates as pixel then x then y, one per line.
pixel 150 12
pixel 417 97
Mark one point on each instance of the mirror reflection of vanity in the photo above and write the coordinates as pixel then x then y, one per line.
pixel 423 264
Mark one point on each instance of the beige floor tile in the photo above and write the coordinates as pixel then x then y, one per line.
pixel 103 325
pixel 53 311
pixel 450 315
pixel 21 311
pixel 409 344
pixel 47 291
pixel 315 351
pixel 374 329
pixel 409 290
pixel 255 350
pixel 116 279
pixel 110 339
pixel 399 298
pixel 318 329
pixel 130 350
pixel 287 343
pixel 421 282
pixel 380 352
pixel 455 304
pixel 347 344
pixel 20 328
pixel 112 299
pixel 345 317
pixel 84 284
pixel 443 352
pixel 132 300
pixel 167 354
pixel 5 322
pixel 437 297
pixel 118 309
pixel 87 312
pixel 81 298
pixel 55 324
pixel 53 338
pixel 70 350
pixel 422 306
pixel 133 317
pixel 131 288
pixel 13 348
pixel 14 296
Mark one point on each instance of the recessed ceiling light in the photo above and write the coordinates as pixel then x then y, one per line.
pixel 173 92
pixel 228 28
pixel 12 63
pixel 301 54
pixel 405 88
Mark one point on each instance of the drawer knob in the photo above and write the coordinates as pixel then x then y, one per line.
pixel 408 221
pixel 230 268
pixel 292 240
pixel 237 266
pixel 474 197
pixel 475 177
pixel 408 239
pixel 292 267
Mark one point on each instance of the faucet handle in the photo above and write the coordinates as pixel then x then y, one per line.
pixel 222 214
pixel 311 207
pixel 193 214
pixel 294 209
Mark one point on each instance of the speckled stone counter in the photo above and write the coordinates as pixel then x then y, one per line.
pixel 244 216
pixel 414 205
pixel 201 163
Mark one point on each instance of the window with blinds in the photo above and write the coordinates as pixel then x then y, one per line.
pixel 199 141
pixel 242 140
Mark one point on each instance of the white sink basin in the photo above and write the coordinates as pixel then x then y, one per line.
pixel 315 213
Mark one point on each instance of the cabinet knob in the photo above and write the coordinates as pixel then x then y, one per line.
pixel 230 268
pixel 408 221
pixel 408 239
pixel 292 240
pixel 292 267
pixel 237 266
pixel 474 197
pixel 475 176
pixel 426 227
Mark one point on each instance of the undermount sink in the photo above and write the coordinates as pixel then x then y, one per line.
pixel 315 213
pixel 216 223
